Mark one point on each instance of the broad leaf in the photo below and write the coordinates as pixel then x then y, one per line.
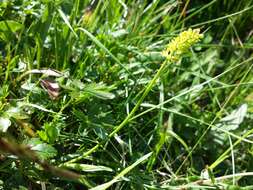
pixel 45 151
pixel 234 119
pixel 10 26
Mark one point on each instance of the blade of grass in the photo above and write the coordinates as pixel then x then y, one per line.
pixel 222 18
pixel 99 44
pixel 65 19
pixel 193 88
pixel 122 173
pixel 223 156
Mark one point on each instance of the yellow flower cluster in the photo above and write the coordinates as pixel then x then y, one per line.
pixel 181 44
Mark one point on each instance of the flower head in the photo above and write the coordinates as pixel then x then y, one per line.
pixel 181 44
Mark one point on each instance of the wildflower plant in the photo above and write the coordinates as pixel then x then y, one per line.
pixel 173 52
pixel 181 44
pixel 93 93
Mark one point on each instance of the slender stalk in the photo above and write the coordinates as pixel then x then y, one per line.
pixel 129 116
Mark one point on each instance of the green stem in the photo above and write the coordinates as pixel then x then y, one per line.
pixel 225 154
pixel 128 118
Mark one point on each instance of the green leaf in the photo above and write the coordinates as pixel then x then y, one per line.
pixel 101 94
pixel 81 91
pixel 99 90
pixel 87 167
pixel 17 113
pixel 4 91
pixel 45 151
pixel 50 133
pixel 100 132
pixel 234 119
pixel 119 33
pixel 43 135
pixel 25 104
pixel 64 17
pixel 10 26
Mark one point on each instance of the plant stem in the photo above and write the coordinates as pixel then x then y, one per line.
pixel 129 116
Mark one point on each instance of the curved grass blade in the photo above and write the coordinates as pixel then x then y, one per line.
pixel 99 44
pixel 122 173
pixel 67 22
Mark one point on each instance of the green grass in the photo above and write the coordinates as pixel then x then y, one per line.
pixel 87 101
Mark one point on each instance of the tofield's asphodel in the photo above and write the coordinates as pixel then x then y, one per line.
pixel 181 44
